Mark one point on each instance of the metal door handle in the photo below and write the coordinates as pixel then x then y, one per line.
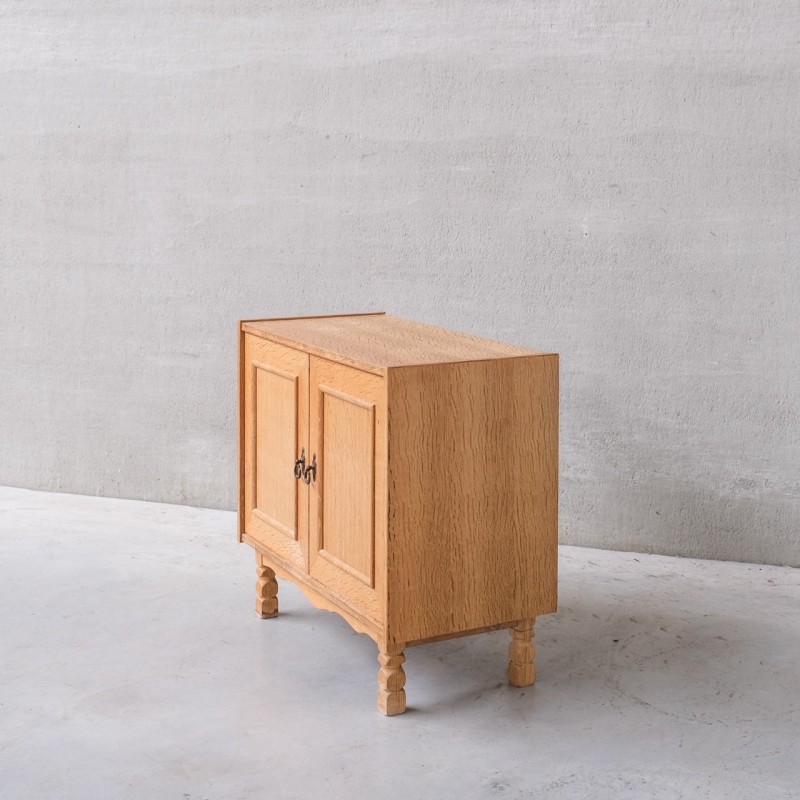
pixel 299 465
pixel 311 472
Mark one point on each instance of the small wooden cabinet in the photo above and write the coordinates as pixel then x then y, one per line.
pixel 403 476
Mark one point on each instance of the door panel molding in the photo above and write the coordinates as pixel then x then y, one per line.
pixel 349 456
pixel 277 524
pixel 368 580
pixel 282 492
pixel 275 429
pixel 347 505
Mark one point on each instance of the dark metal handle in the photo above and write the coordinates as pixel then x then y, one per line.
pixel 299 465
pixel 311 472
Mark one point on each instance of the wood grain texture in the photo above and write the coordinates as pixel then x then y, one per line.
pixel 391 680
pixel 433 511
pixel 473 495
pixel 376 342
pixel 274 431
pixel 276 421
pixel 266 589
pixel 522 654
pixel 317 593
pixel 348 450
pixel 347 502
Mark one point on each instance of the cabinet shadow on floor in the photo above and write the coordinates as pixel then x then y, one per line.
pixel 686 664
pixel 602 651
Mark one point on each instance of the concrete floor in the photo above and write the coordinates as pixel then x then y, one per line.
pixel 132 665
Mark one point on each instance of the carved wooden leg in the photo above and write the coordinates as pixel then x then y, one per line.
pixel 521 654
pixel 266 590
pixel 391 680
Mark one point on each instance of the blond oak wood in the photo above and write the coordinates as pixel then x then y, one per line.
pixel 391 680
pixel 521 654
pixel 311 316
pixel 266 589
pixel 347 501
pixel 274 432
pixel 317 593
pixel 376 342
pixel 346 438
pixel 473 490
pixel 276 442
pixel 433 512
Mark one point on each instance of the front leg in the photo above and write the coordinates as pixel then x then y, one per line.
pixel 266 589
pixel 521 654
pixel 391 680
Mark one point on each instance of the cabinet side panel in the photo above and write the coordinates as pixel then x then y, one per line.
pixel 473 495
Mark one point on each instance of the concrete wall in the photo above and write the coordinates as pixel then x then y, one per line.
pixel 616 181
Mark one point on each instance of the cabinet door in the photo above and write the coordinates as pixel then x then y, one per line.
pixel 347 502
pixel 275 420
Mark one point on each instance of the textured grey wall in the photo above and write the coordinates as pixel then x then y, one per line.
pixel 614 181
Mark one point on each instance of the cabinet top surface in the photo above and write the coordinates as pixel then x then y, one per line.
pixel 379 341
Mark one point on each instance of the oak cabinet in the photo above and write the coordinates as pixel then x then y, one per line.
pixel 403 476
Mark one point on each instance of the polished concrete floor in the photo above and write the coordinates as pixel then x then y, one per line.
pixel 132 665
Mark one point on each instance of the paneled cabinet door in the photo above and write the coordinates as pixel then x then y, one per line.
pixel 347 503
pixel 275 434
